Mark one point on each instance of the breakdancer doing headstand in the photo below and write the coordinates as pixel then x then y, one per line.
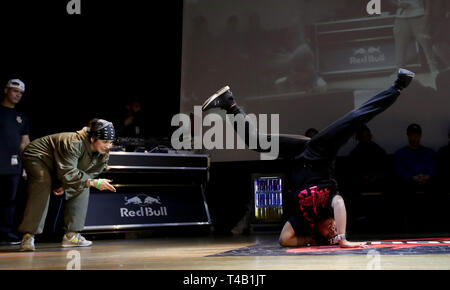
pixel 319 211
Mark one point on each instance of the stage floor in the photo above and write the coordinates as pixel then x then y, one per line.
pixel 253 252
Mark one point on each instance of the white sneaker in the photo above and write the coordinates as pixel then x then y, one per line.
pixel 27 244
pixel 77 240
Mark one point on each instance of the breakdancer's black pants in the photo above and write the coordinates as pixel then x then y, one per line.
pixel 325 145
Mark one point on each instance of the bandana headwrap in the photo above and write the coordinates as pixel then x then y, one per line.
pixel 105 130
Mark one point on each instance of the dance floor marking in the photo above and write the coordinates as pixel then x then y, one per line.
pixel 429 246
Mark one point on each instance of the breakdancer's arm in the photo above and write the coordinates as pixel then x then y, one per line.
pixel 288 238
pixel 340 218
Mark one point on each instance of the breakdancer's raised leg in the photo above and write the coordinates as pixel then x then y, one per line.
pixel 315 195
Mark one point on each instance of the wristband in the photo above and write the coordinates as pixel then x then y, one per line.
pixel 99 182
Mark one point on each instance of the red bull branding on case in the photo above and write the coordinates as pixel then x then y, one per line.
pixel 143 201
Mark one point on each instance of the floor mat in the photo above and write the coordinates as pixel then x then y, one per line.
pixel 428 246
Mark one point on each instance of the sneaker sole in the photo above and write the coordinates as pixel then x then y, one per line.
pixel 213 97
pixel 403 71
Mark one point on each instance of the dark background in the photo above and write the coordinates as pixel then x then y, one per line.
pixel 77 67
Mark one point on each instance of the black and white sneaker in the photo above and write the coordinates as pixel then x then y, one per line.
pixel 9 239
pixel 404 78
pixel 222 99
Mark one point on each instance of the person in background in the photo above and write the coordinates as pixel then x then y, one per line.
pixel 131 124
pixel 415 163
pixel 413 18
pixel 416 170
pixel 368 161
pixel 14 136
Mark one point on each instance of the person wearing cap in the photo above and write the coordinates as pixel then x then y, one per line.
pixel 415 163
pixel 14 136
pixel 415 167
pixel 65 164
pixel 368 162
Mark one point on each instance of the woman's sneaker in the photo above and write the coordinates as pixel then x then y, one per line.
pixel 222 99
pixel 75 240
pixel 27 244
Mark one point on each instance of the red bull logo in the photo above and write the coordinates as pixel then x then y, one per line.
pixel 143 201
pixel 367 55
pixel 143 211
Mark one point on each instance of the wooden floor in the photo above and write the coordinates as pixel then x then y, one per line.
pixel 191 253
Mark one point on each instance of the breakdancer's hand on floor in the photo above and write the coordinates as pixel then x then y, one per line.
pixel 347 244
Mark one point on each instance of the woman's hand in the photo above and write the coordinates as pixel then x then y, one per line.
pixel 102 184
